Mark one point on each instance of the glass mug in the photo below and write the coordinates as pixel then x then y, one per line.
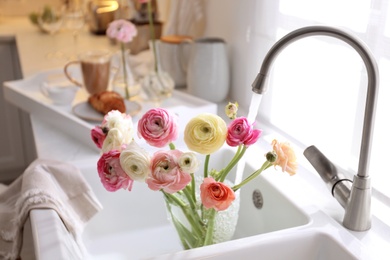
pixel 95 68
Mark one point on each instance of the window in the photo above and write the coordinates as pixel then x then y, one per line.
pixel 317 85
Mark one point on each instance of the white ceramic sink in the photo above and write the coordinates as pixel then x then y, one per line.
pixel 134 225
pixel 310 244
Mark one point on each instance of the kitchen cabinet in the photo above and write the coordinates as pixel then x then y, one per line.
pixel 17 145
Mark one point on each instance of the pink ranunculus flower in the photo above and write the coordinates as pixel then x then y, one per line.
pixel 166 173
pixel 216 195
pixel 158 127
pixel 98 136
pixel 240 131
pixel 111 173
pixel 121 30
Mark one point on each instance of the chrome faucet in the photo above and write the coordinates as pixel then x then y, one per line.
pixel 354 196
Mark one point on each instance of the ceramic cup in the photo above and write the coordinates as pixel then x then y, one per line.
pixel 172 51
pixel 60 94
pixel 208 69
pixel 95 68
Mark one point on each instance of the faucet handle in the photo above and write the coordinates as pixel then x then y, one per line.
pixel 330 174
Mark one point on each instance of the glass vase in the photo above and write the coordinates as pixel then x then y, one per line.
pixel 124 81
pixel 157 84
pixel 197 226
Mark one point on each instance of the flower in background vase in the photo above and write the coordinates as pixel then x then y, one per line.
pixel 205 133
pixel 216 194
pixel 240 131
pixel 166 173
pixel 158 127
pixel 111 173
pixel 157 84
pixel 286 157
pixel 123 31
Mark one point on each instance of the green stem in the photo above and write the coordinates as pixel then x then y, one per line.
pixel 206 166
pixel 256 173
pixel 174 200
pixel 188 194
pixel 191 216
pixel 152 34
pixel 193 187
pixel 210 229
pixel 127 94
pixel 237 157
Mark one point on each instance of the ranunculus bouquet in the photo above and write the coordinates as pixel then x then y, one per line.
pixel 200 197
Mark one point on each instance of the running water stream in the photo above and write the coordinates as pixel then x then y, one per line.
pixel 253 109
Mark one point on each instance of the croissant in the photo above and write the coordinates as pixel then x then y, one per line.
pixel 106 101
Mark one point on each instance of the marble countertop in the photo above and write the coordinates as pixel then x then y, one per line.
pixel 34 45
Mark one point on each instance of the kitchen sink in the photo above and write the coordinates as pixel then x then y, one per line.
pixel 134 225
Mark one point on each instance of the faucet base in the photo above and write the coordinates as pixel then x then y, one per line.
pixel 358 209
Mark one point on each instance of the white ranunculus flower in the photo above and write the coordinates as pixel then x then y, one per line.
pixel 114 140
pixel 112 119
pixel 121 122
pixel 188 162
pixel 135 161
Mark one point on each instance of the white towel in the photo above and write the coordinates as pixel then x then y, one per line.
pixel 45 184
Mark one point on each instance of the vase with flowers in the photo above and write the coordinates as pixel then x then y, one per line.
pixel 203 205
pixel 124 81
pixel 157 84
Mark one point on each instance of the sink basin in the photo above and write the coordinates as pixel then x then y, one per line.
pixel 134 225
pixel 306 244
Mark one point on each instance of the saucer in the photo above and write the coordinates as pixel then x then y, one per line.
pixel 85 111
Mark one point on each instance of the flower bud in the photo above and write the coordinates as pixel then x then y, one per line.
pixel 271 156
pixel 231 110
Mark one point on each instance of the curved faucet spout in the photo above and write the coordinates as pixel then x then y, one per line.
pixel 259 85
pixel 361 181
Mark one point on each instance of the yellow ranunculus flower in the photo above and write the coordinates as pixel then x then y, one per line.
pixel 205 133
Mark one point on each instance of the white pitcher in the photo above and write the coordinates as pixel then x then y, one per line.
pixel 208 69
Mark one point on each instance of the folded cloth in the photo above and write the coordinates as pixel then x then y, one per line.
pixel 45 184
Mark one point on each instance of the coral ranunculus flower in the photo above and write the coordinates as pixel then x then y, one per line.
pixel 205 133
pixel 166 173
pixel 240 131
pixel 111 174
pixel 158 127
pixel 286 157
pixel 216 195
